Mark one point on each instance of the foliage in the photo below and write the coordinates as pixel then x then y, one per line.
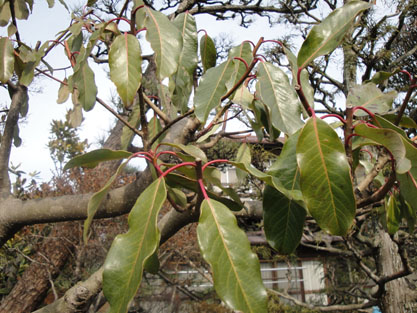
pixel 315 177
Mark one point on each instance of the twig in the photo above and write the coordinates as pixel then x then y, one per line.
pixel 339 307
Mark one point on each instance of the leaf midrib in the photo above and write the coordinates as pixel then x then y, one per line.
pixel 141 241
pixel 321 156
pixel 228 253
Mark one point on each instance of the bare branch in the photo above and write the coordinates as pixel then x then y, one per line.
pixel 341 307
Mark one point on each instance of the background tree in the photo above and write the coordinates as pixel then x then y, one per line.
pixel 316 172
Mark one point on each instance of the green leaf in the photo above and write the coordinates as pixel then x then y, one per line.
pixel 182 80
pixel 51 3
pixel 394 142
pixel 21 9
pixel 393 214
pixel 325 177
pixel 6 59
pixel 90 3
pixel 188 58
pixel 63 92
pixel 123 268
pixel 285 168
pixel 5 14
pixel 283 221
pixel 165 40
pixel 96 200
pixel 243 51
pixel 243 97
pixel 408 186
pixel 11 30
pixel 326 36
pixel 85 83
pixel 140 14
pixel 125 66
pixel 93 158
pixel 211 89
pixel 208 52
pixel 380 77
pixel 274 89
pixel 406 121
pixel 192 150
pixel 236 270
pixel 243 156
pixel 370 97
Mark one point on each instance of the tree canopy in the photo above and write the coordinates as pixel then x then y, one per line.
pixel 348 166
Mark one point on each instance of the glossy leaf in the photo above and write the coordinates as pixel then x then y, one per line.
pixel 325 177
pixel 93 158
pixel 125 66
pixel 85 83
pixel 211 89
pixel 285 168
pixel 5 15
pixel 63 93
pixel 326 36
pixel 236 270
pixel 393 214
pixel 165 40
pixel 6 59
pixel 275 90
pixel 283 221
pixel 21 9
pixel 380 77
pixel 208 52
pixel 243 51
pixel 140 14
pixel 243 156
pixel 187 62
pixel 408 186
pixel 370 97
pixel 394 142
pixel 97 198
pixel 124 264
pixel 192 150
pixel 406 121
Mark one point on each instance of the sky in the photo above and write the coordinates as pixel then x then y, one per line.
pixel 43 24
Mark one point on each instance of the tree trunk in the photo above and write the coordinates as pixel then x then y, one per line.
pixel 397 294
pixel 31 288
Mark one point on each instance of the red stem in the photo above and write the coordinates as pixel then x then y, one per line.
pixel 203 189
pixel 176 167
pixel 407 73
pixel 334 115
pixel 242 60
pixel 301 95
pixel 215 161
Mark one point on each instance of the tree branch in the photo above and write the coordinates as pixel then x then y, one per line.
pixel 19 96
pixel 341 307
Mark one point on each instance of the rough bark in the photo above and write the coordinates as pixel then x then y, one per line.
pixel 19 96
pixel 396 294
pixel 32 287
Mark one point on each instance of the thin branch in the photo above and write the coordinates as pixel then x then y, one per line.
pixel 362 265
pixel 157 110
pixel 337 307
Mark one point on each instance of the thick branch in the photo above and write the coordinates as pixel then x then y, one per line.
pixel 19 97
